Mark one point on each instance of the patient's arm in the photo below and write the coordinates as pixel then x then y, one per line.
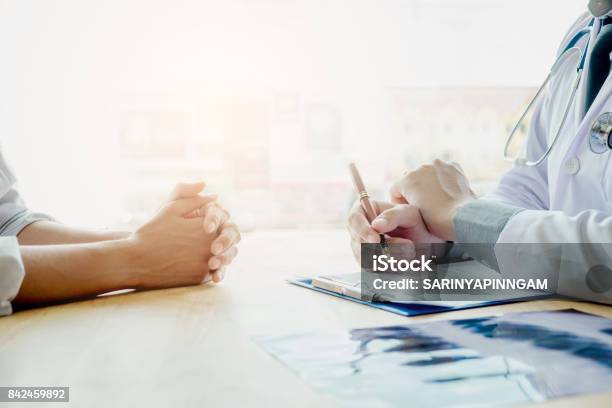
pixel 61 272
pixel 52 233
pixel 170 250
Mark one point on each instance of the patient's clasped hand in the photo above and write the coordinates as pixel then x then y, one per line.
pixel 189 241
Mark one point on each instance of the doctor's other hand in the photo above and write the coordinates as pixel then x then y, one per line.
pixel 215 218
pixel 402 223
pixel 438 190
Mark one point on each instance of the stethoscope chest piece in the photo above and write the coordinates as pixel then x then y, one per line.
pixel 599 136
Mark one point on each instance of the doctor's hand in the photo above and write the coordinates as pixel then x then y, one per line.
pixel 438 190
pixel 214 219
pixel 402 223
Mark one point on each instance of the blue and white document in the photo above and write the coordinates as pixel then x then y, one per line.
pixel 491 361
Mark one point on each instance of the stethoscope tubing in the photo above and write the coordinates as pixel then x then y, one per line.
pixel 569 49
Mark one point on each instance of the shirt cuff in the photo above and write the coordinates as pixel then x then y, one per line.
pixel 482 221
pixel 19 220
pixel 11 273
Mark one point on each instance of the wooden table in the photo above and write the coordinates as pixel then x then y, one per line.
pixel 193 346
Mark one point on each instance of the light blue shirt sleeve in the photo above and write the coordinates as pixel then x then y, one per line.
pixel 14 215
pixel 478 226
pixel 11 273
pixel 482 221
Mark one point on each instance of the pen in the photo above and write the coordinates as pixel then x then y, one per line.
pixel 366 204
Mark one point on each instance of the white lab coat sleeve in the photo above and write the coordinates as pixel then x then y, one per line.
pixel 574 250
pixel 11 273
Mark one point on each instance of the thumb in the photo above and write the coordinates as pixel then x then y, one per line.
pixel 186 190
pixel 396 193
pixel 402 215
pixel 184 206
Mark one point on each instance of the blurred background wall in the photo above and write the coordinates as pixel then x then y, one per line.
pixel 104 105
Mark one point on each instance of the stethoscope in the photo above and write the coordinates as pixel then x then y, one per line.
pixel 569 49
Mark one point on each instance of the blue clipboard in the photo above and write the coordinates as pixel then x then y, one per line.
pixel 405 309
